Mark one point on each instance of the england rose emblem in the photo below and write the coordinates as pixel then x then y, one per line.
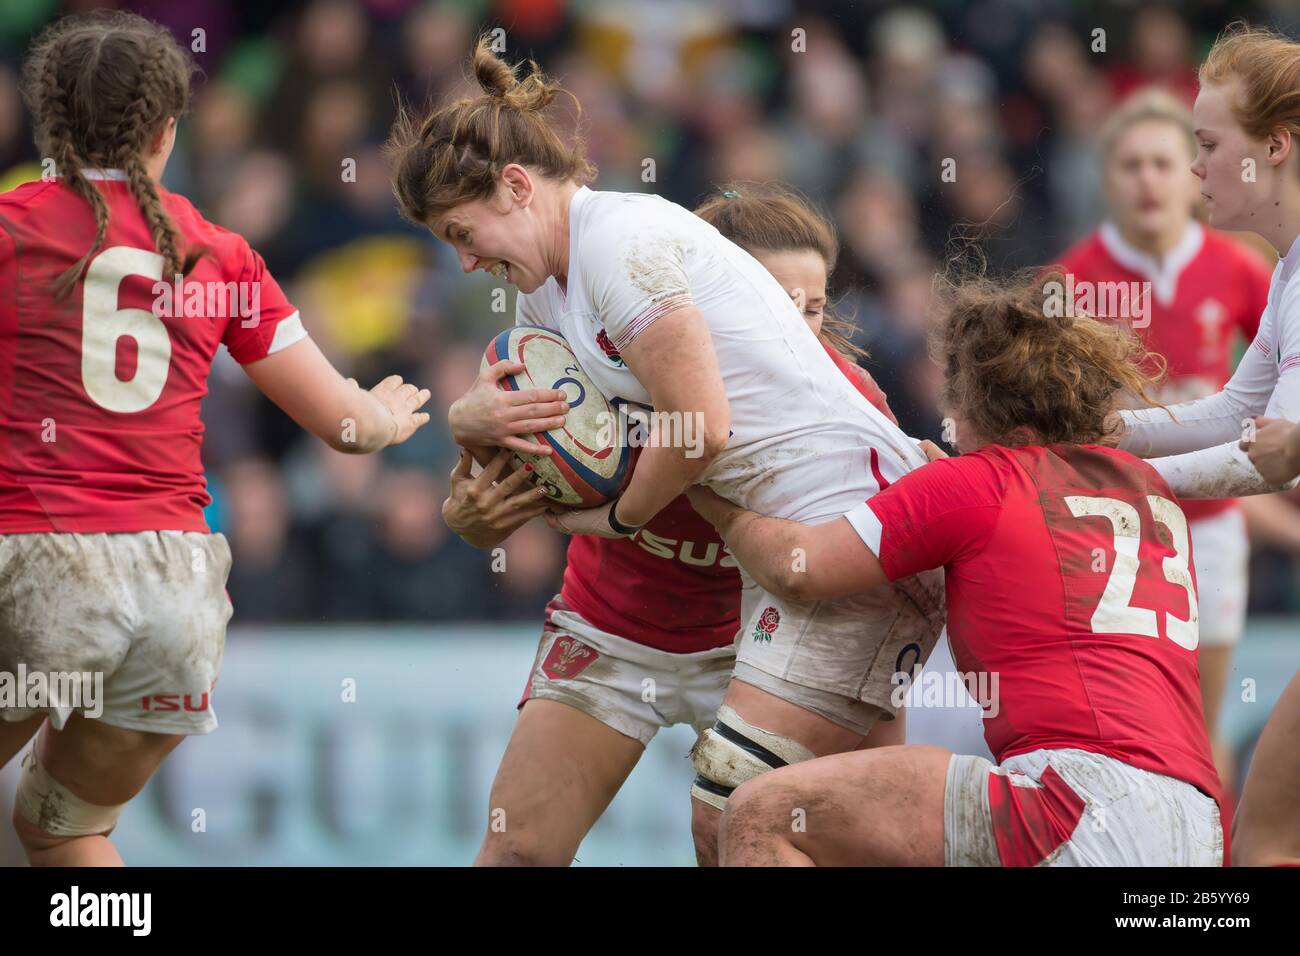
pixel 767 624
pixel 607 347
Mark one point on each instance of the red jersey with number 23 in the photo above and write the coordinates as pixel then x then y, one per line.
pixel 1069 575
pixel 100 390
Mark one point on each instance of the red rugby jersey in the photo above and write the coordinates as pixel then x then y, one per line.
pixel 100 390
pixel 1207 287
pixel 1068 572
pixel 673 586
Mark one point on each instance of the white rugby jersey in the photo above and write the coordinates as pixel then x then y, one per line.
pixel 805 444
pixel 1199 443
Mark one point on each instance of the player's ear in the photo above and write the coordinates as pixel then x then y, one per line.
pixel 166 138
pixel 518 185
pixel 1280 142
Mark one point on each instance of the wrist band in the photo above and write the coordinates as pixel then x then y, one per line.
pixel 617 525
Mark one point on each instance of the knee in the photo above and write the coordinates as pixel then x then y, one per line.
pixel 758 811
pixel 521 849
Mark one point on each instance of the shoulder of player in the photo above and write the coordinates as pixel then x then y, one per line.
pixel 223 244
pixel 610 221
pixel 29 193
pixel 980 473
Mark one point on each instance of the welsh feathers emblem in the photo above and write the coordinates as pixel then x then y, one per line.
pixel 568 657
pixel 767 624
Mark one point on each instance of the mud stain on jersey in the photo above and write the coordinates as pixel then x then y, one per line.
pixel 654 266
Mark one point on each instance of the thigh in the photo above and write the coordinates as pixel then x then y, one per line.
pixel 1265 831
pixel 165 682
pixel 65 609
pixel 560 771
pixel 882 807
pixel 100 763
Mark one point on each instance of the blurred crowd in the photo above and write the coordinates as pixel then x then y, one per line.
pixel 856 104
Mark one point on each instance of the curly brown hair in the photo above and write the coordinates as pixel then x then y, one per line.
pixel 456 152
pixel 101 87
pixel 1021 372
pixel 770 217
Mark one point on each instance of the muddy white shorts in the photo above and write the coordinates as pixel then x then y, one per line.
pixel 633 688
pixel 840 658
pixel 1074 808
pixel 143 615
pixel 1221 556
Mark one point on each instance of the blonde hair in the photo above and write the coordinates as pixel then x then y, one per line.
pixel 1151 104
pixel 456 152
pixel 1268 66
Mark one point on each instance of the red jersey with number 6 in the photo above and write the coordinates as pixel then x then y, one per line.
pixel 1069 575
pixel 100 390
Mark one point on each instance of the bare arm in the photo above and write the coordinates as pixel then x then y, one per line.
pixel 795 561
pixel 675 361
pixel 307 387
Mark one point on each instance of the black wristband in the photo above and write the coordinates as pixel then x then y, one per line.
pixel 618 526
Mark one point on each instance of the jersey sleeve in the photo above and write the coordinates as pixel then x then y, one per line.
pixel 634 276
pixel 940 514
pixel 1224 470
pixel 271 324
pixel 1190 426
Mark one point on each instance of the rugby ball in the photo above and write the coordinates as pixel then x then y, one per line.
pixel 591 461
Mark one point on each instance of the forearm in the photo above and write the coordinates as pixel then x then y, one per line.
pixel 768 549
pixel 1224 471
pixel 1185 427
pixel 1205 422
pixel 661 475
pixel 367 426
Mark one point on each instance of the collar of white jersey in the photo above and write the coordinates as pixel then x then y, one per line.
pixel 1290 261
pixel 576 203
pixel 1163 276
pixel 117 174
pixel 579 200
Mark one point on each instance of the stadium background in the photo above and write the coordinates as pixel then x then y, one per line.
pixel 343 568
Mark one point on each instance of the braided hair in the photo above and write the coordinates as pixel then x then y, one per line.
pixel 101 88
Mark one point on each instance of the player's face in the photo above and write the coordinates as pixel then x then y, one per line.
pixel 802 273
pixel 1229 163
pixel 497 235
pixel 1149 190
